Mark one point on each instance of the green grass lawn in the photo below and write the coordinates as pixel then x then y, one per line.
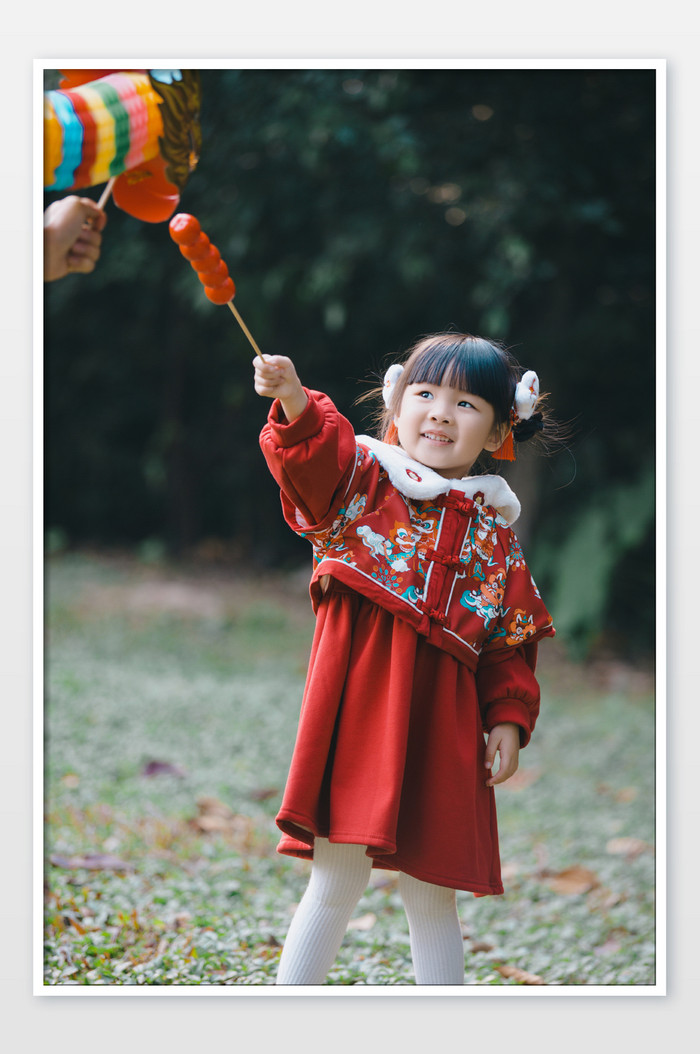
pixel 172 697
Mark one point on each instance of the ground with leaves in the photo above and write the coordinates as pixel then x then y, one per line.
pixel 172 697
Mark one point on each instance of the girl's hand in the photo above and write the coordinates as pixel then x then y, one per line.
pixel 276 378
pixel 504 740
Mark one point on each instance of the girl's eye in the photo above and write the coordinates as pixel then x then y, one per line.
pixel 465 402
pixel 425 395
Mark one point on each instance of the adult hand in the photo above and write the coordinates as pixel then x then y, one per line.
pixel 72 237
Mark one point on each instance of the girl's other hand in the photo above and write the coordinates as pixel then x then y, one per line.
pixel 505 741
pixel 276 378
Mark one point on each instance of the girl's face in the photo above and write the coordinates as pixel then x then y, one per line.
pixel 445 428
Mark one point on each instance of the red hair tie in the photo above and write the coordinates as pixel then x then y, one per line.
pixel 527 393
pixel 506 451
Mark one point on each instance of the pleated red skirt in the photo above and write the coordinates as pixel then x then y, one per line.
pixel 390 752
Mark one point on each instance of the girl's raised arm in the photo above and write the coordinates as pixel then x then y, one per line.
pixel 310 449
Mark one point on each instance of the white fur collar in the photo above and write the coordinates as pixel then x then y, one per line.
pixel 420 482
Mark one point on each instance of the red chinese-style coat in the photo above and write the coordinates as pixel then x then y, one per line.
pixel 420 589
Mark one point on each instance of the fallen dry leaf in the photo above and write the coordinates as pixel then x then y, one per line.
pixel 264 793
pixel 573 881
pixel 602 899
pixel 628 846
pixel 91 861
pixel 626 794
pixel 480 946
pixel 162 768
pixel 210 823
pixel 213 807
pixel 217 818
pixel 362 922
pixel 521 976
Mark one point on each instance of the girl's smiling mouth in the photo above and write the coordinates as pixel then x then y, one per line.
pixel 436 437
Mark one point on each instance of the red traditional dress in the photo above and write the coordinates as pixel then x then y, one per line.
pixel 427 623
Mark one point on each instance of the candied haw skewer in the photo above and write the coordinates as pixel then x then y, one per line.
pixel 206 261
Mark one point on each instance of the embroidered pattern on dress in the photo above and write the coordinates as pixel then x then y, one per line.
pixel 520 627
pixel 400 550
pixel 487 599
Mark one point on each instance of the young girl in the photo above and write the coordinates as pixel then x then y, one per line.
pixel 426 638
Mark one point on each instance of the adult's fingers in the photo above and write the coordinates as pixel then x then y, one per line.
pixel 95 217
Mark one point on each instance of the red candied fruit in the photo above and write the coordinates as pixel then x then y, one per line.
pixel 221 294
pixel 198 250
pixel 208 262
pixel 214 275
pixel 184 229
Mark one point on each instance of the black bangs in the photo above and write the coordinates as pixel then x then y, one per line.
pixel 472 364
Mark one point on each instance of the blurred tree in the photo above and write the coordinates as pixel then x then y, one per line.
pixel 357 210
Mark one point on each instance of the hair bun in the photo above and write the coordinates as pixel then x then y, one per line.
pixel 390 378
pixel 527 392
pixel 525 430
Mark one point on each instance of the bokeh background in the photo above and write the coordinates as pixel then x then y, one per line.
pixel 358 209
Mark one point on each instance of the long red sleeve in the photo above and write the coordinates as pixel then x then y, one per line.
pixel 312 458
pixel 508 690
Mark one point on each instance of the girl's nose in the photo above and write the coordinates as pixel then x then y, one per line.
pixel 440 412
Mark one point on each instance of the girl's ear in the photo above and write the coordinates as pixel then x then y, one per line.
pixel 498 437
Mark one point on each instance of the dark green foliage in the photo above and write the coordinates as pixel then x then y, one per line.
pixel 358 209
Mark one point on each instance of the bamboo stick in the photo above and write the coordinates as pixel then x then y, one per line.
pixel 245 329
pixel 105 193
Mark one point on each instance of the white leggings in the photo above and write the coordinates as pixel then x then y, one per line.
pixel 339 877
